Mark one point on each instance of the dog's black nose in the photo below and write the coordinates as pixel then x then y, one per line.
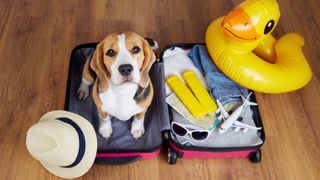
pixel 125 69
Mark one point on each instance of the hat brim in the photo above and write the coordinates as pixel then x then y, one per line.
pixel 91 146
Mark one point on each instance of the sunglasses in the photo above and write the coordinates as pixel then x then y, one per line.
pixel 182 130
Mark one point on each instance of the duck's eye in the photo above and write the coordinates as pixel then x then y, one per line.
pixel 111 53
pixel 135 50
pixel 269 27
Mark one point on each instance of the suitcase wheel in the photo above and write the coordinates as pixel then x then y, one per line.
pixel 172 156
pixel 255 157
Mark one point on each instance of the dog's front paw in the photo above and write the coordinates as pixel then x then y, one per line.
pixel 105 128
pixel 137 132
pixel 83 91
pixel 137 128
pixel 105 131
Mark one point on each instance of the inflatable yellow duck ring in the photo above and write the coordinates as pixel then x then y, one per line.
pixel 242 46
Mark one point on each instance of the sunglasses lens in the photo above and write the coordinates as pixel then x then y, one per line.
pixel 199 135
pixel 179 130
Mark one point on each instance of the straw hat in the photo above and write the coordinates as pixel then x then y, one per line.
pixel 64 143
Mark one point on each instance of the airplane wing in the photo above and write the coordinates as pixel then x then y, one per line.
pixel 223 112
pixel 238 124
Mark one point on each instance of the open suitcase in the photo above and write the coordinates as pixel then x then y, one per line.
pixel 121 148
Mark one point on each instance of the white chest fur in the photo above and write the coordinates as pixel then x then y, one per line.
pixel 118 101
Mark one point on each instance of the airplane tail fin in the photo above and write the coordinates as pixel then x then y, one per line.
pixel 247 102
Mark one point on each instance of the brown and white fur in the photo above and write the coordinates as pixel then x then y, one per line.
pixel 122 87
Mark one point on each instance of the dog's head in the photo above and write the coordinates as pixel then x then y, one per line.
pixel 124 57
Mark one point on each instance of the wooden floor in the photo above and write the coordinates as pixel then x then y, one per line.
pixel 36 39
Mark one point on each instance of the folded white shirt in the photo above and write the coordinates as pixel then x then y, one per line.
pixel 176 62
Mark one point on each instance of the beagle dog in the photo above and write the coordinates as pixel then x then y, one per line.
pixel 122 86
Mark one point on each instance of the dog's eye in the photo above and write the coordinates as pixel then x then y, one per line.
pixel 135 50
pixel 111 53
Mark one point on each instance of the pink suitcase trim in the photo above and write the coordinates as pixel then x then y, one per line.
pixel 205 154
pixel 144 155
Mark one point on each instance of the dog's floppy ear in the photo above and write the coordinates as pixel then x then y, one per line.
pixel 99 68
pixel 152 43
pixel 149 59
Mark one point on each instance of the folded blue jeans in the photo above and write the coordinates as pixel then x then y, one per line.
pixel 221 87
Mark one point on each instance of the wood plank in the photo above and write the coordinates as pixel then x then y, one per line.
pixel 36 39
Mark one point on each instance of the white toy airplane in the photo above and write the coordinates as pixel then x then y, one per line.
pixel 231 120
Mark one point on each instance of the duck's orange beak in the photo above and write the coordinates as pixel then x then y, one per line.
pixel 237 25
